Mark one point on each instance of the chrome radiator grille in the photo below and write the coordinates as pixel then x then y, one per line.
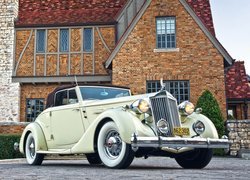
pixel 165 108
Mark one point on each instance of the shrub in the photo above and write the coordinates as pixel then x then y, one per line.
pixel 6 147
pixel 211 109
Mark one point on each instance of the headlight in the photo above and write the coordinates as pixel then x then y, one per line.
pixel 163 126
pixel 199 127
pixel 186 108
pixel 141 106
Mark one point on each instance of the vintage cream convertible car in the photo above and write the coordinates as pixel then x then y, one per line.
pixel 112 127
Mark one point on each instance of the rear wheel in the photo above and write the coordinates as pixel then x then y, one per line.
pixel 93 158
pixel 113 152
pixel 32 157
pixel 197 159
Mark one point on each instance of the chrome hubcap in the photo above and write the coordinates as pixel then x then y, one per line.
pixel 113 144
pixel 32 148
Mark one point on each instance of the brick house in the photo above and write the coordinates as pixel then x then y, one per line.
pixel 238 91
pixel 131 43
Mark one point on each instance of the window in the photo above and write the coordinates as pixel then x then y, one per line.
pixel 90 93
pixel 87 40
pixel 179 89
pixel 166 32
pixel 33 108
pixel 64 40
pixel 40 41
pixel 66 97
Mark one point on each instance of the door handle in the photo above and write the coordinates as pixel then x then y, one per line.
pixel 76 109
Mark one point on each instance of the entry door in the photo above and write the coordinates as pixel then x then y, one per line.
pixel 66 120
pixel 67 126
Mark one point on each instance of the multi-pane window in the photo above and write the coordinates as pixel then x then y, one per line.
pixel 166 32
pixel 33 108
pixel 87 39
pixel 179 89
pixel 40 41
pixel 64 40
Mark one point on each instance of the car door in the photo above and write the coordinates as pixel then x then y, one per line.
pixel 66 120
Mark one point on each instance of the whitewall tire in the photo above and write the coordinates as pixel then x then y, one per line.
pixel 32 157
pixel 113 152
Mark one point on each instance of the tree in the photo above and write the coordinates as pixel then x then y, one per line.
pixel 211 109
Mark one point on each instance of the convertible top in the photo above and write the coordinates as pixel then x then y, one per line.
pixel 51 96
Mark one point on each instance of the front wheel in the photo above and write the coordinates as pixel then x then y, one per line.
pixel 32 157
pixel 113 152
pixel 197 159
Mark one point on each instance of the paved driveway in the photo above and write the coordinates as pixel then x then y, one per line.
pixel 141 169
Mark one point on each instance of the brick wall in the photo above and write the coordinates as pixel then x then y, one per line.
pixel 197 59
pixel 12 127
pixel 239 134
pixel 9 96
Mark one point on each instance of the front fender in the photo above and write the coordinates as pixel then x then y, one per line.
pixel 126 122
pixel 210 130
pixel 39 138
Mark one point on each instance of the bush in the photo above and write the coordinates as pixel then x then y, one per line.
pixel 6 147
pixel 211 109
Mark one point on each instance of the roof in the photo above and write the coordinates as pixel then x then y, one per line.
pixel 236 82
pixel 51 96
pixel 67 12
pixel 202 9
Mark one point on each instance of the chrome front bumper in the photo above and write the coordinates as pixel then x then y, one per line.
pixel 177 142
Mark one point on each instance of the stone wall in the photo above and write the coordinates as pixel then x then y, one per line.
pixel 239 134
pixel 9 96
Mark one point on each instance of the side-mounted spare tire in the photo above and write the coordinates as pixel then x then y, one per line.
pixel 113 152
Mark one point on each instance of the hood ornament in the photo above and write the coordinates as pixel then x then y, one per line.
pixel 163 85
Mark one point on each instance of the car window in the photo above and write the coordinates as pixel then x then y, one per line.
pixel 91 93
pixel 66 97
pixel 72 97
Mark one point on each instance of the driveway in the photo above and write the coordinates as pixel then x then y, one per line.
pixel 141 169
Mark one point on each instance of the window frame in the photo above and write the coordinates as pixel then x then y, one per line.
pixel 166 18
pixel 67 92
pixel 169 88
pixel 27 117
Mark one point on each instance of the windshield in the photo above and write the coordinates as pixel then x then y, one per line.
pixel 91 93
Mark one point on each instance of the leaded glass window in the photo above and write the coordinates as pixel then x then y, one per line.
pixel 166 32
pixel 33 108
pixel 179 89
pixel 88 39
pixel 40 41
pixel 64 40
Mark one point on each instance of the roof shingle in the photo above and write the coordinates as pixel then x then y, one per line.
pixel 236 82
pixel 67 12
pixel 203 10
pixel 78 12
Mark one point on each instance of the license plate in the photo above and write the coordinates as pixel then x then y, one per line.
pixel 181 131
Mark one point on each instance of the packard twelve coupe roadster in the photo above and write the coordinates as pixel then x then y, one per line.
pixel 111 127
